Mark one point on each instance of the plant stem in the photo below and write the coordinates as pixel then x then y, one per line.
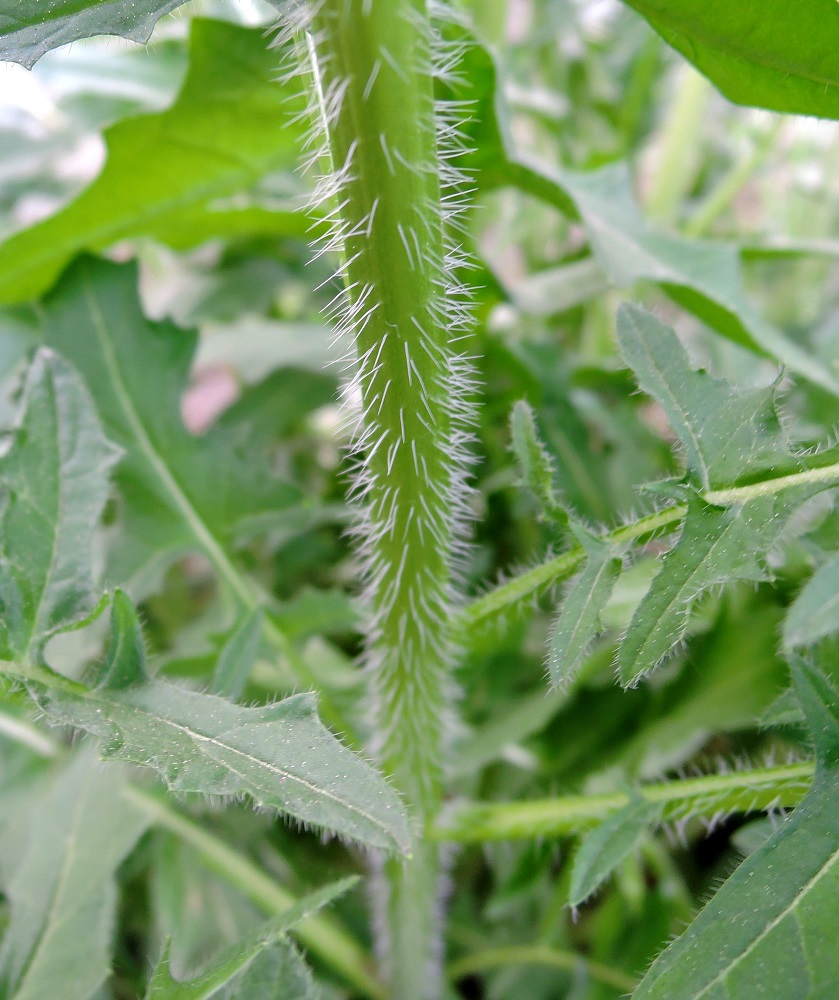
pixel 568 961
pixel 372 65
pixel 320 933
pixel 738 791
pixel 828 475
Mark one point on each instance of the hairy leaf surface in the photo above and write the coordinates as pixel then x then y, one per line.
pixel 173 175
pixel 240 967
pixel 774 55
pixel 178 492
pixel 53 486
pixel 62 891
pixel 281 755
pixel 765 932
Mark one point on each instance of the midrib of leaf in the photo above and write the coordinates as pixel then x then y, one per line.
pixel 266 765
pixel 790 908
pixel 57 897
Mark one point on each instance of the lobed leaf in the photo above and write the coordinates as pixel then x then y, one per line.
pixel 764 932
pixel 238 969
pixel 774 55
pixel 178 492
pixel 578 621
pixel 727 433
pixel 28 28
pixel 281 755
pixel 608 844
pixel 53 483
pixel 180 175
pixel 67 847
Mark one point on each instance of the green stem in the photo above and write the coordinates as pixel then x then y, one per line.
pixel 739 791
pixel 372 67
pixel 567 961
pixel 827 475
pixel 321 934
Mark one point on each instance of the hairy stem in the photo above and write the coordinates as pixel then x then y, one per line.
pixel 372 62
pixel 738 791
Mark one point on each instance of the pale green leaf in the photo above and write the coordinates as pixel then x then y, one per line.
pixel 62 892
pixel 534 462
pixel 579 618
pixel 173 175
pixel 774 55
pixel 725 432
pixel 814 614
pixel 606 846
pixel 178 492
pixel 29 28
pixel 767 931
pixel 238 656
pixel 236 966
pixel 716 545
pixel 53 486
pixel 281 755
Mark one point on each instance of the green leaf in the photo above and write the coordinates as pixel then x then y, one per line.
pixel 727 433
pixel 178 492
pixel 167 175
pixel 62 892
pixel 814 614
pixel 28 28
pixel 579 620
pixel 238 656
pixel 535 463
pixel 608 844
pixel 765 933
pixel 281 755
pixel 272 969
pixel 53 483
pixel 773 55
pixel 717 545
pixel 236 966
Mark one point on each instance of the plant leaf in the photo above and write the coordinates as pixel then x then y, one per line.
pixel 535 463
pixel 725 432
pixel 54 482
pixel 28 29
pixel 774 55
pixel 234 965
pixel 178 492
pixel 814 614
pixel 579 619
pixel 716 545
pixel 764 932
pixel 281 755
pixel 603 849
pixel 238 656
pixel 62 892
pixel 167 174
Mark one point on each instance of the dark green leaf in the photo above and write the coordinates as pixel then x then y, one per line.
pixel 280 754
pixel 62 891
pixel 178 492
pixel 534 462
pixel 765 932
pixel 579 620
pixel 28 28
pixel 167 175
pixel 54 482
pixel 235 966
pixel 608 844
pixel 772 55
pixel 815 612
